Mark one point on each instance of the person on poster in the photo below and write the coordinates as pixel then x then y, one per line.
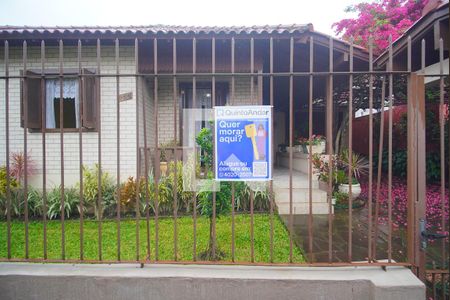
pixel 261 136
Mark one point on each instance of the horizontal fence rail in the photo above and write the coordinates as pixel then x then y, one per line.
pixel 107 69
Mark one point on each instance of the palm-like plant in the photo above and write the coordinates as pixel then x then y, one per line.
pixel 359 164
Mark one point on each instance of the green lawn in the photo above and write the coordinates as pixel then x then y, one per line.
pixel 128 239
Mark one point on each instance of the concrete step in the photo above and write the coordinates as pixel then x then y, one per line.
pixel 300 192
pixel 299 179
pixel 300 161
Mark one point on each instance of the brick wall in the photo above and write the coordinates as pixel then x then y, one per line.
pixel 71 140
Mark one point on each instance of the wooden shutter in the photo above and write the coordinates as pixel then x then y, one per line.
pixel 91 88
pixel 31 94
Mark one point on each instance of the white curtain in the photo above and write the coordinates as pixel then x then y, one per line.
pixel 52 91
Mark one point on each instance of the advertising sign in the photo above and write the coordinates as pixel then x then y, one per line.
pixel 243 143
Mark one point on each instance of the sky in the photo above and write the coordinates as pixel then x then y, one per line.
pixel 321 13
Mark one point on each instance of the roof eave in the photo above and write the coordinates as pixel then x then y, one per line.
pixel 414 32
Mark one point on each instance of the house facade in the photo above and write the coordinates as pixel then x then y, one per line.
pixel 109 88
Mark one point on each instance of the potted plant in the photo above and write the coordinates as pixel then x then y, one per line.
pixel 359 167
pixel 317 142
pixel 344 185
pixel 321 168
pixel 295 148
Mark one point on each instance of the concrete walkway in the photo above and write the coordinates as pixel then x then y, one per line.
pixel 129 281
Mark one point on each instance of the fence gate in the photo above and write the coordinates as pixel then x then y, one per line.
pixel 428 248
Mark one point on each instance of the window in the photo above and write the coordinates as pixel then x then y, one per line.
pixel 42 99
pixel 71 103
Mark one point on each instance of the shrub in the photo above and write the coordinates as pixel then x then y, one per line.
pixel 433 164
pixel 400 164
pixel 90 190
pixel 261 197
pixel 184 196
pixel 128 193
pixel 13 184
pixel 34 198
pixel 71 202
pixel 35 202
pixel 223 203
pixel 17 203
pixel 341 198
pixel 165 195
pixel 205 141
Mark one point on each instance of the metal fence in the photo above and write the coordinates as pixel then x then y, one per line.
pixel 90 80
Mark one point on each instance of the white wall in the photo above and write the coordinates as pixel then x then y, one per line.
pixel 108 115
pixel 71 140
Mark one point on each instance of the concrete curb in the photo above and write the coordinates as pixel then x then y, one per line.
pixel 161 281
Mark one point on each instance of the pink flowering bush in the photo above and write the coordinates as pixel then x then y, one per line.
pixel 399 203
pixel 379 19
pixel 17 166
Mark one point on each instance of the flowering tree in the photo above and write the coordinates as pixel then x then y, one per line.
pixel 379 19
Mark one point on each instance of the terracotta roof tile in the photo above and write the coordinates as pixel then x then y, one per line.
pixel 156 29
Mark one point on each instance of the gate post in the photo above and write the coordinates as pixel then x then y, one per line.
pixel 416 171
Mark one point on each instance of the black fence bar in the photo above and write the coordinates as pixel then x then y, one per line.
pixel 310 164
pixel 271 199
pixel 391 100
pixel 411 211
pixel 44 150
pixel 175 137
pixel 194 106
pixel 61 149
pixel 8 178
pixel 252 195
pixel 117 62
pixel 25 145
pixel 157 153
pixel 214 195
pixel 350 155
pixel 80 146
pixel 138 173
pixel 146 159
pixel 233 199
pixel 291 137
pixel 379 168
pixel 237 74
pixel 442 148
pixel 329 134
pixel 370 213
pixel 99 154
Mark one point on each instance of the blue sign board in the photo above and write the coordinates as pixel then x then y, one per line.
pixel 243 142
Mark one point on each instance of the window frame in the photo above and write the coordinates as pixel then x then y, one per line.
pixel 54 73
